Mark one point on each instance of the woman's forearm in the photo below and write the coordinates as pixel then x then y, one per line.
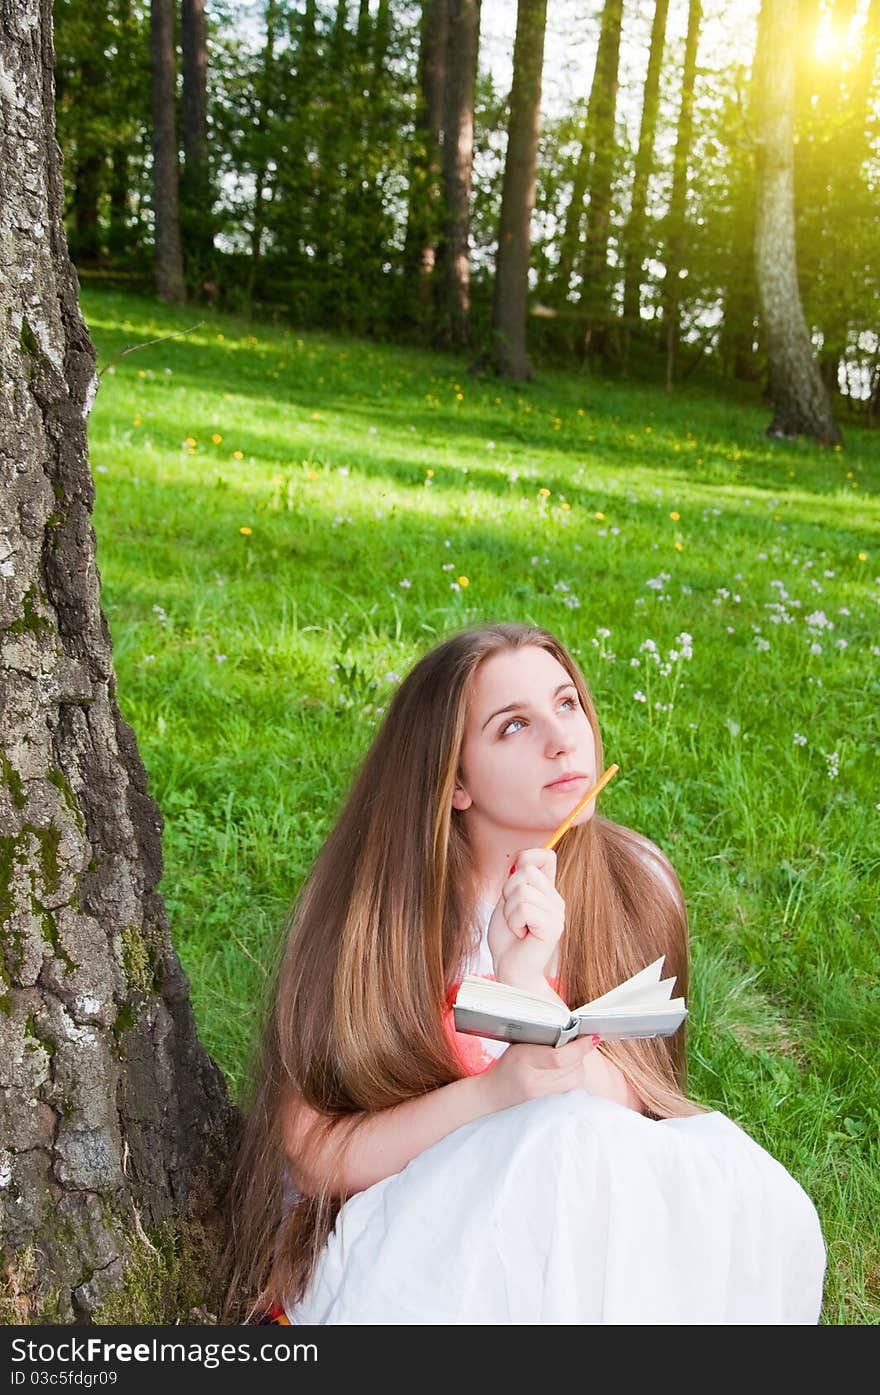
pixel 389 1139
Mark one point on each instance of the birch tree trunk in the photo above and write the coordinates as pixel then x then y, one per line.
pixel 800 399
pixel 111 1115
pixel 518 194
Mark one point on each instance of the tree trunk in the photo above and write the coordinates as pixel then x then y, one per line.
pixel 196 202
pixel 675 237
pixel 458 158
pixel 518 194
pixel 113 1120
pixel 634 237
pixel 595 294
pixel 424 175
pixel 168 257
pixel 800 400
pixel 569 249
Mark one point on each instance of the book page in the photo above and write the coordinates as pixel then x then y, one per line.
pixel 644 987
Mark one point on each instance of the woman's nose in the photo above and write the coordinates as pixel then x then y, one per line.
pixel 560 737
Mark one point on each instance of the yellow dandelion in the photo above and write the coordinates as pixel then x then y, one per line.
pixel 221 337
pixel 675 516
pixel 316 416
pixel 190 441
pixel 600 516
pixel 463 581
pixel 566 506
pixel 678 547
pixel 246 530
pixel 849 474
pixel 142 373
pixel 429 473
pixel 313 474
pixel 544 492
pixel 238 454
pixel 863 556
pixel 460 396
pixel 216 439
pixel 676 446
pixel 838 447
pixel 648 430
pixel 277 479
pixel 581 412
pixel 137 421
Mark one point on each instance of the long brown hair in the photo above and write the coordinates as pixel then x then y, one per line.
pixel 379 930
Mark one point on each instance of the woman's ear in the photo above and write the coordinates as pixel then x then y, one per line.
pixel 461 799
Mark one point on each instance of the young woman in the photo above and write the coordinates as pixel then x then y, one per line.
pixel 395 1171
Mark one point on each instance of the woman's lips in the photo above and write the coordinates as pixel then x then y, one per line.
pixel 569 784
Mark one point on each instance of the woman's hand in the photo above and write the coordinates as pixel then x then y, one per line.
pixel 527 1072
pixel 528 921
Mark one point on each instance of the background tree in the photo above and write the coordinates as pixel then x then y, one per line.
pixel 595 297
pixel 634 246
pixel 800 399
pixel 113 1121
pixel 196 221
pixel 168 264
pixel 518 195
pixel 424 190
pixel 454 266
pixel 676 216
pixel 596 132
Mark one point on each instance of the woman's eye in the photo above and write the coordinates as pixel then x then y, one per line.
pixel 573 701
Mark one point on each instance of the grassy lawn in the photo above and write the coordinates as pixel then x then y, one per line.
pixel 287 520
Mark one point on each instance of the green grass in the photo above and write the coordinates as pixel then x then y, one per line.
pixel 254 668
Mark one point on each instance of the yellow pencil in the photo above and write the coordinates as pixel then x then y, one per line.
pixel 591 794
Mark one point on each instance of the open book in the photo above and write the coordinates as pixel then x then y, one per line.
pixel 643 1006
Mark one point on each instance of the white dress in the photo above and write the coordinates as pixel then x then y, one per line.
pixel 574 1209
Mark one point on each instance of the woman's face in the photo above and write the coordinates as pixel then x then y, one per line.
pixel 512 759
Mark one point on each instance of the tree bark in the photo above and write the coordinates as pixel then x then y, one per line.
pixel 800 400
pixel 518 194
pixel 675 237
pixel 168 265
pixel 634 237
pixel 196 201
pixel 113 1121
pixel 458 158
